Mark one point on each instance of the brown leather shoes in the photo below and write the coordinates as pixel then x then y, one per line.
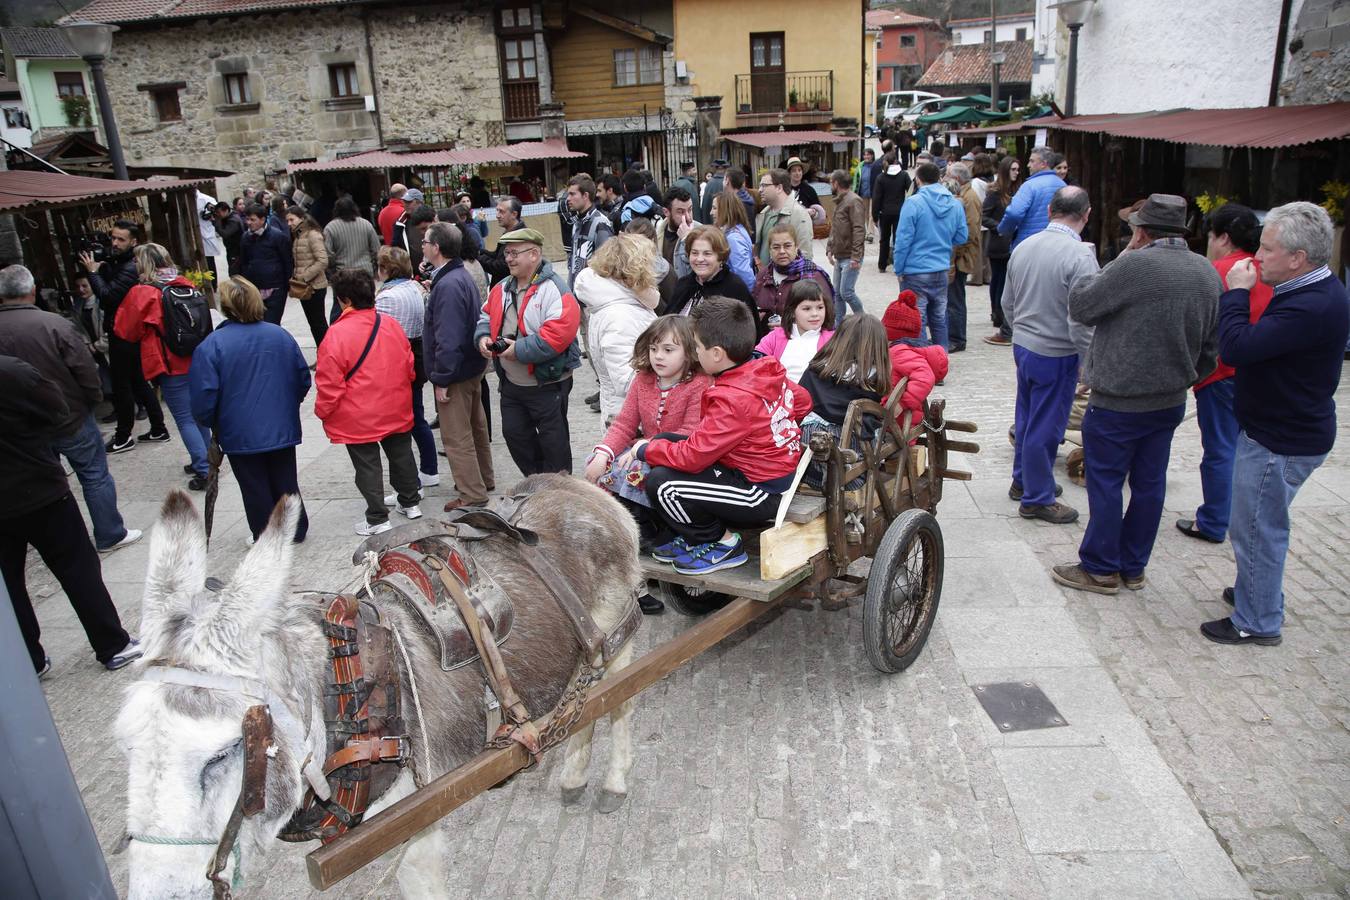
pixel 1055 513
pixel 452 505
pixel 1075 577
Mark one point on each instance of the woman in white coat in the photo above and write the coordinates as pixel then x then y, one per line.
pixel 618 289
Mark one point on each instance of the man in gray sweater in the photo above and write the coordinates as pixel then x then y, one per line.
pixel 1047 347
pixel 1155 311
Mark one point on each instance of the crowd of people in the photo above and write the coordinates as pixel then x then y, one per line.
pixel 719 345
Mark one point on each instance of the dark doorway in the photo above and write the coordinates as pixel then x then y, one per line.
pixel 768 76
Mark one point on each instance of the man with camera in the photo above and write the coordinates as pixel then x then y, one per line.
pixel 111 279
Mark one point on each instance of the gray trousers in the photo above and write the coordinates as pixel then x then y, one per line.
pixel 370 474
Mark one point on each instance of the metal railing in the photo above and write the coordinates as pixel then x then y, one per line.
pixel 785 92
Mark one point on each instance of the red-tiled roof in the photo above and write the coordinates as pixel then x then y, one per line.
pixel 122 11
pixel 969 64
pixel 469 156
pixel 892 18
pixel 1265 126
pixel 763 139
pixel 25 190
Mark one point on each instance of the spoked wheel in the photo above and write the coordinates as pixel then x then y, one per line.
pixel 688 601
pixel 903 590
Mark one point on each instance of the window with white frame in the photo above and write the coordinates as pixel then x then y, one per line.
pixel 237 89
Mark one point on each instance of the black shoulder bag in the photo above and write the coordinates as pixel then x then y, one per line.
pixel 370 342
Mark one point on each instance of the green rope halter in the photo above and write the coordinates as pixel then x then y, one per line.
pixel 236 877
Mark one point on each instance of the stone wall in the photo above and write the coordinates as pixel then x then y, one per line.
pixel 435 71
pixel 1317 65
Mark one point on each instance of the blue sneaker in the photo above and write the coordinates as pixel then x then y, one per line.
pixel 671 551
pixel 704 559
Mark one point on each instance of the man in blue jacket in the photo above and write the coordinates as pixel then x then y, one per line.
pixel 455 367
pixel 1288 366
pixel 265 259
pixel 932 222
pixel 1029 211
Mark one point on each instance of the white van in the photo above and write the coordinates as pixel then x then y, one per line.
pixel 894 104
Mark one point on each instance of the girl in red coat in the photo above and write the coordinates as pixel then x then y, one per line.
pixel 665 397
pixel 924 364
pixel 140 319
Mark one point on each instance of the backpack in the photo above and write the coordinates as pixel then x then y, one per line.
pixel 187 318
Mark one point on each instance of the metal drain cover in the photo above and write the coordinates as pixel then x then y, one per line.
pixel 1018 706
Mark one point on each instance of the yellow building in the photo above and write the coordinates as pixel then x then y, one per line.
pixel 799 63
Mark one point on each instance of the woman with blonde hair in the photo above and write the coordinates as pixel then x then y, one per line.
pixel 140 319
pixel 729 215
pixel 247 381
pixel 619 290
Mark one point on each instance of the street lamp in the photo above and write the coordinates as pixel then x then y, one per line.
pixel 1073 13
pixel 93 41
pixel 997 59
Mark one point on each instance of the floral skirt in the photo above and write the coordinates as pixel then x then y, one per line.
pixel 628 482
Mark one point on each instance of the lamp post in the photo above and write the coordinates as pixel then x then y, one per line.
pixel 93 41
pixel 1073 13
pixel 996 59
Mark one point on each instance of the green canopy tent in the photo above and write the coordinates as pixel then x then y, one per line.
pixel 962 115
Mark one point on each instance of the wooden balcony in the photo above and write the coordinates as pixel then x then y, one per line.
pixel 766 98
pixel 520 101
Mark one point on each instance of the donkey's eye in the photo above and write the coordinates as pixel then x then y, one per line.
pixel 222 754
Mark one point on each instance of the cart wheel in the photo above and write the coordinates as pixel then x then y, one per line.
pixel 688 601
pixel 903 590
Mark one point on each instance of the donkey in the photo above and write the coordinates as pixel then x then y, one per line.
pixel 183 743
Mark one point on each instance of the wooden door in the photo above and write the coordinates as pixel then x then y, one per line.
pixel 768 77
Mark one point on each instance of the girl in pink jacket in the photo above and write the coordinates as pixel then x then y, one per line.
pixel 803 331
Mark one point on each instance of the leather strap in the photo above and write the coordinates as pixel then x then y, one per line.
pixel 370 342
pixel 388 748
pixel 588 633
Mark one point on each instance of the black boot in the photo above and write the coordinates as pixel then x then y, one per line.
pixel 650 606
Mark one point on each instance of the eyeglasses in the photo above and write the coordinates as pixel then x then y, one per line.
pixel 765 184
pixel 512 254
pixel 425 242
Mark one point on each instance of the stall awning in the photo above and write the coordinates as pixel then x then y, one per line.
pixel 1007 127
pixel 1266 126
pixel 468 156
pixel 35 190
pixel 765 139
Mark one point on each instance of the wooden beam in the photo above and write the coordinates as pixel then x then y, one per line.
pixel 782 550
pixel 373 838
pixel 618 24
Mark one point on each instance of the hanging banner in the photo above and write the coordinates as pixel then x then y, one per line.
pixel 990 141
pixel 1042 135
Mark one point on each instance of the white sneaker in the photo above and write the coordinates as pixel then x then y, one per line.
pixel 428 480
pixel 132 536
pixel 391 500
pixel 365 529
pixel 412 512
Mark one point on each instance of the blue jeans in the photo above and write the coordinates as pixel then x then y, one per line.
pixel 1045 386
pixel 1118 445
pixel 174 389
pixel 845 278
pixel 1218 437
pixel 421 432
pixel 1264 484
pixel 931 289
pixel 89 459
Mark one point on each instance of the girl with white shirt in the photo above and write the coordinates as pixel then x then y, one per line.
pixel 803 331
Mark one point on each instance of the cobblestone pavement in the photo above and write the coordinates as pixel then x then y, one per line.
pixel 780 764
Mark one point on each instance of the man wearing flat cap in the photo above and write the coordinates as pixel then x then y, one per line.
pixel 1154 311
pixel 535 318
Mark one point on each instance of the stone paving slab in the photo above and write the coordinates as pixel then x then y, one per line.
pixel 780 764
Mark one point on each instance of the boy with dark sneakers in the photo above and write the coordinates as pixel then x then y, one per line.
pixel 735 466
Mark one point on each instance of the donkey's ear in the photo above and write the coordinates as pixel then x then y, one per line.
pixel 252 599
pixel 177 569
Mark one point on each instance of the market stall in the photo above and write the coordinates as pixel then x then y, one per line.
pixel 58 216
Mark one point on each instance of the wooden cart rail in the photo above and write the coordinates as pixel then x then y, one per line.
pixel 378 835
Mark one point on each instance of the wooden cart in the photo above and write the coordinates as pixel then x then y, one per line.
pixel 808 555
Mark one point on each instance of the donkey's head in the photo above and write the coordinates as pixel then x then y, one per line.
pixel 209 657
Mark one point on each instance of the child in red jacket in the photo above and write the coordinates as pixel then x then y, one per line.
pixel 736 465
pixel 924 364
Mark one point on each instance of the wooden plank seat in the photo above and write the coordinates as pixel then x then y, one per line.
pixel 742 581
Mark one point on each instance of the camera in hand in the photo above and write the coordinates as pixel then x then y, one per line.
pixel 499 345
pixel 100 245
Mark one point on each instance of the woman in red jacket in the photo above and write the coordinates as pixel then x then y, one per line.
pixel 363 383
pixel 140 318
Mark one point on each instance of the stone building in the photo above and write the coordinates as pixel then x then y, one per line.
pixel 233 86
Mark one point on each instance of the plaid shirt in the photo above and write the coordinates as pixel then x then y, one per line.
pixel 403 300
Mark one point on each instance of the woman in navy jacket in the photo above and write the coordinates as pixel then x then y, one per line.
pixel 247 380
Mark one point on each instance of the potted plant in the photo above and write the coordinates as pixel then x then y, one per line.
pixel 792 100
pixel 1335 198
pixel 824 104
pixel 76 109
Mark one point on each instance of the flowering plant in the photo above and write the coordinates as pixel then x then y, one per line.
pixel 1209 202
pixel 200 278
pixel 1335 194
